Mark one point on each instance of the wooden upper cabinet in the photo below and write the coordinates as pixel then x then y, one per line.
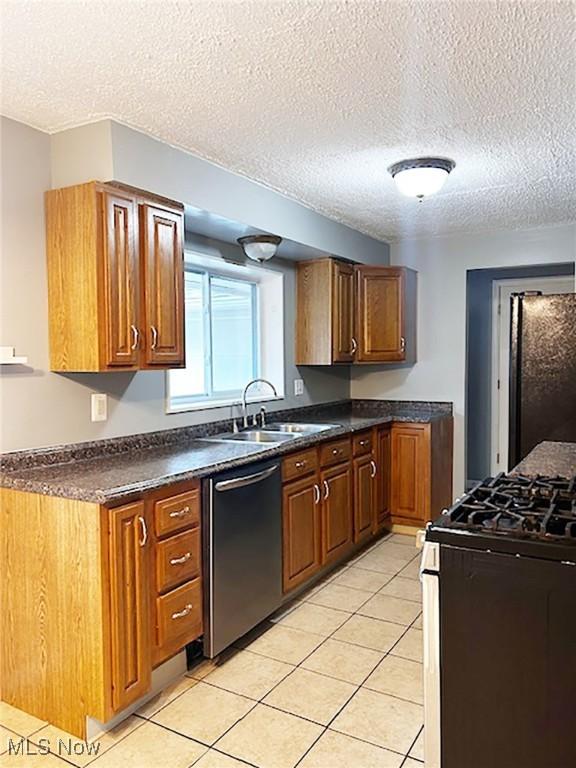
pixel 301 531
pixel 343 341
pixel 354 314
pixel 385 314
pixel 115 271
pixel 120 282
pixel 129 604
pixel 163 266
pixel 337 511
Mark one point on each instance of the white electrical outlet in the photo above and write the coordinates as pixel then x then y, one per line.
pixel 99 407
pixel 298 387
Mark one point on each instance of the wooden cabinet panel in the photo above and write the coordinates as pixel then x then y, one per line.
pixel 343 341
pixel 301 531
pixel 380 314
pixel 179 618
pixel 411 472
pixel 364 497
pixel 130 601
pixel 177 512
pixel 120 280
pixel 383 480
pixel 177 559
pixel 300 464
pixel 337 511
pixel 335 452
pixel 162 247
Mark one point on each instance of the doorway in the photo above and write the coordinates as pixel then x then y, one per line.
pixel 502 291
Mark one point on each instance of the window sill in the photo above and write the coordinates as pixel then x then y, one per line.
pixel 211 405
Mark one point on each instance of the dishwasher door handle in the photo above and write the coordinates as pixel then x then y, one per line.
pixel 240 482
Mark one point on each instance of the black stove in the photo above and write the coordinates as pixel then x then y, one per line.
pixel 515 514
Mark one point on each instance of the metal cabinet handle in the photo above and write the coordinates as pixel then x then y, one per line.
pixel 374 469
pixel 180 512
pixel 181 560
pixel 326 489
pixel 354 346
pixel 364 442
pixel 181 614
pixel 336 451
pixel 240 482
pixel 300 464
pixel 135 337
pixel 402 344
pixel 154 337
pixel 316 493
pixel 144 538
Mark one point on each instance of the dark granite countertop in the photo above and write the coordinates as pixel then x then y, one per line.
pixel 114 470
pixel 549 458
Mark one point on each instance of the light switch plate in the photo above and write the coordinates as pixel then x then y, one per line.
pixel 99 407
pixel 298 387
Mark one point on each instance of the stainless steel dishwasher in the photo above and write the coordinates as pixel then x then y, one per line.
pixel 242 552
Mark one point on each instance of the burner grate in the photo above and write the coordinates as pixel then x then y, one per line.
pixel 537 507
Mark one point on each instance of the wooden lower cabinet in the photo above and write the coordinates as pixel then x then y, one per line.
pixel 301 531
pixel 129 604
pixel 364 497
pixel 337 500
pixel 383 475
pixel 421 478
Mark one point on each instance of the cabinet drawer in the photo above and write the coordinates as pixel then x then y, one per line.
pixel 179 615
pixel 362 443
pixel 300 464
pixel 335 452
pixel 177 559
pixel 176 513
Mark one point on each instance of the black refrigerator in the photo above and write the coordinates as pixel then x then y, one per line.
pixel 542 372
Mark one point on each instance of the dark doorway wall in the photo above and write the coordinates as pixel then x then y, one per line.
pixel 479 357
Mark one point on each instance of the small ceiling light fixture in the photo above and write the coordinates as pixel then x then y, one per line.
pixel 260 247
pixel 421 176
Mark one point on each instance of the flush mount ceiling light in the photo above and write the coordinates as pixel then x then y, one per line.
pixel 260 247
pixel 421 176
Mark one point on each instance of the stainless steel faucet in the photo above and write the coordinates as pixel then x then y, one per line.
pixel 246 388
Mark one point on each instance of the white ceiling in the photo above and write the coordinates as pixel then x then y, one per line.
pixel 317 98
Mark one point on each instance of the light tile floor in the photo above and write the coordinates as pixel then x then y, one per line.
pixel 334 680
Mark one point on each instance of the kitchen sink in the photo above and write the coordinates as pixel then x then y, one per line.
pixel 256 436
pixel 300 429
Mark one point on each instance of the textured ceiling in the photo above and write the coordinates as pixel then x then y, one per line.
pixel 316 99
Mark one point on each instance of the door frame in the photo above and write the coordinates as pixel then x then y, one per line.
pixel 499 396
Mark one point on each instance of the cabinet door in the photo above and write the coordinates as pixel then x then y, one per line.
pixel 383 476
pixel 380 314
pixel 343 342
pixel 337 511
pixel 161 236
pixel 129 604
pixel 410 472
pixel 120 280
pixel 301 531
pixel 364 497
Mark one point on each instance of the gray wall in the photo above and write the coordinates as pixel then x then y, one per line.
pixel 442 264
pixel 41 408
pixel 479 358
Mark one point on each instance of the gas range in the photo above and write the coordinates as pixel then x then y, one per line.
pixel 513 514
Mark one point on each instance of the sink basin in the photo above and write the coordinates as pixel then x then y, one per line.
pixel 300 429
pixel 256 436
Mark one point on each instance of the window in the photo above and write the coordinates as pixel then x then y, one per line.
pixel 226 344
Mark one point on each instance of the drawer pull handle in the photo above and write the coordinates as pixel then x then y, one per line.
pixel 180 512
pixel 316 493
pixel 181 560
pixel 373 465
pixel 300 464
pixel 326 490
pixel 184 612
pixel 336 451
pixel 364 442
pixel 144 538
